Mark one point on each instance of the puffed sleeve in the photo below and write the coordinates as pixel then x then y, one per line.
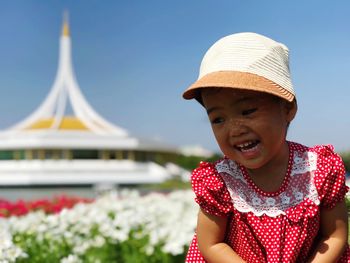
pixel 210 190
pixel 330 177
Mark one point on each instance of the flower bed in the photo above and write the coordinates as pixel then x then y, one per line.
pixel 117 227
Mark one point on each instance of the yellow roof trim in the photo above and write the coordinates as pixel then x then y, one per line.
pixel 67 123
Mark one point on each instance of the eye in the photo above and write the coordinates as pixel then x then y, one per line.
pixel 248 111
pixel 217 120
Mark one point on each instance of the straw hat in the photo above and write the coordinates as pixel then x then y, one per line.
pixel 245 61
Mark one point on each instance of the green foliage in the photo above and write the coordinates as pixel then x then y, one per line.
pixel 130 251
pixel 169 185
pixel 347 202
pixel 45 250
pixel 346 158
pixel 191 162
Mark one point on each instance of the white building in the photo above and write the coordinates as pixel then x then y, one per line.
pixel 49 147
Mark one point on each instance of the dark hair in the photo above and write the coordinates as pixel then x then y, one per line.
pixel 198 93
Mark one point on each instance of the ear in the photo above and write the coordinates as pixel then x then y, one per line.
pixel 291 109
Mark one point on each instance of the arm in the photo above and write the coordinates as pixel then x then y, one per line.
pixel 334 233
pixel 210 234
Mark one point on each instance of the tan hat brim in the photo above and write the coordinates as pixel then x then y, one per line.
pixel 237 80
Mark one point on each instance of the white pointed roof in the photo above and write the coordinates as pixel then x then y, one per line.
pixel 65 89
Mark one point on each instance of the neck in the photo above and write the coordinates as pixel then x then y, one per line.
pixel 271 175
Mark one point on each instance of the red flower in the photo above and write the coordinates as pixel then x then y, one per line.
pixel 55 205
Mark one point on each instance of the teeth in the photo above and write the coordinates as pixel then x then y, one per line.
pixel 244 144
pixel 247 146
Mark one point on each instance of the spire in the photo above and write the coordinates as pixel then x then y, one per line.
pixel 65 27
pixel 65 89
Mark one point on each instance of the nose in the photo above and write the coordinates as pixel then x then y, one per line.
pixel 236 128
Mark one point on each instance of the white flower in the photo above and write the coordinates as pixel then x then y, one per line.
pixel 168 219
pixel 71 259
pixel 9 252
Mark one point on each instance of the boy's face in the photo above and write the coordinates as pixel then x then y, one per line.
pixel 250 127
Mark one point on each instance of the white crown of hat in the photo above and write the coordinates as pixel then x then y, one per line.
pixel 252 53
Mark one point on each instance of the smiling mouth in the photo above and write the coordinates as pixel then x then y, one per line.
pixel 247 146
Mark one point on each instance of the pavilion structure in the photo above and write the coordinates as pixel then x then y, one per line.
pixel 51 147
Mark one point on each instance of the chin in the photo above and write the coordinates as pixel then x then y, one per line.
pixel 252 164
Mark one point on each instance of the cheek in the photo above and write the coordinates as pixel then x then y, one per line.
pixel 277 128
pixel 219 135
pixel 274 119
pixel 280 121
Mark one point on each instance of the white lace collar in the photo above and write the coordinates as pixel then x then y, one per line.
pixel 247 198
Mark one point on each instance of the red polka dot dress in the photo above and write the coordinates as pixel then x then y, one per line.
pixel 271 227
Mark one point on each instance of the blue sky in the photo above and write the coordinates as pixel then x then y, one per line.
pixel 133 59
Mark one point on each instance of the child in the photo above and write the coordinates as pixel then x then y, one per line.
pixel 269 199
